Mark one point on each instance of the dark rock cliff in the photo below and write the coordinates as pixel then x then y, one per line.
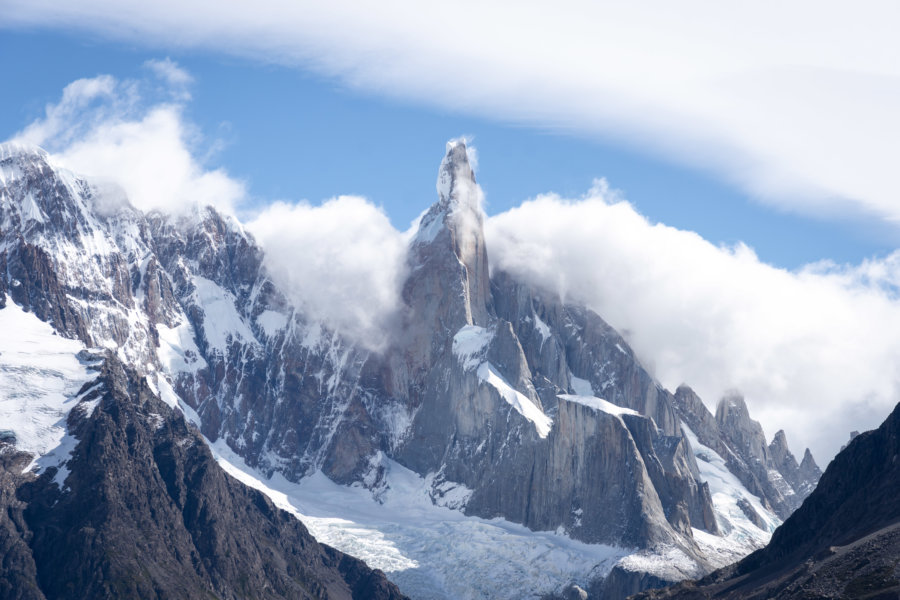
pixel 145 512
pixel 843 542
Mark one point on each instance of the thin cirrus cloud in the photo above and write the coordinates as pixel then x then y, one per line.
pixel 816 351
pixel 794 102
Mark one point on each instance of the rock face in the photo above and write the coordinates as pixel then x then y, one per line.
pixel 145 512
pixel 768 471
pixel 487 385
pixel 843 542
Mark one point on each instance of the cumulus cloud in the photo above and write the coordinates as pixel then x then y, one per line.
pixel 795 102
pixel 816 351
pixel 111 131
pixel 342 262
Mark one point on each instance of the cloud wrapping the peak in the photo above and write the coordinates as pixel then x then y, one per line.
pixel 816 352
pixel 113 131
pixel 343 263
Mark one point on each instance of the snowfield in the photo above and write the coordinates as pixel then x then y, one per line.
pixel 741 536
pixel 431 552
pixel 40 376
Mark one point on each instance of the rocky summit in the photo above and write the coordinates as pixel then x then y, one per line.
pixel 506 401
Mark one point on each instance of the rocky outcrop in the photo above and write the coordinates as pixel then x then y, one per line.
pixel 810 474
pixel 145 512
pixel 769 471
pixel 484 368
pixel 844 541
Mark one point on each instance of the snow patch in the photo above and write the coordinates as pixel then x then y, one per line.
pixel 518 400
pixel 600 404
pixel 581 387
pixel 160 386
pixel 40 377
pixel 670 563
pixel 469 345
pixel 542 328
pixel 448 494
pixel 177 350
pixel 221 320
pixel 426 232
pixel 272 322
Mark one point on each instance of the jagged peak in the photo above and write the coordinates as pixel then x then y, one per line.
pixel 780 439
pixel 17 150
pixel 685 389
pixel 732 403
pixel 456 186
pixel 808 461
pixel 459 204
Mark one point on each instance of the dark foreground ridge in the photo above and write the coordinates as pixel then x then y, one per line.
pixel 843 542
pixel 146 512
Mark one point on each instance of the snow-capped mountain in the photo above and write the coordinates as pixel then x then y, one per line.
pixel 496 402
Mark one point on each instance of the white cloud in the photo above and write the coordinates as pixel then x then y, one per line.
pixel 795 102
pixel 106 129
pixel 341 262
pixel 168 70
pixel 816 352
pixel 177 79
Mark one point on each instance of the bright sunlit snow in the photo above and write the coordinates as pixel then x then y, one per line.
pixel 741 536
pixel 221 321
pixel 600 404
pixel 518 400
pixel 470 344
pixel 40 377
pixel 431 552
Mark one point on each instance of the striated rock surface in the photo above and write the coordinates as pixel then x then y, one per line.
pixel 769 471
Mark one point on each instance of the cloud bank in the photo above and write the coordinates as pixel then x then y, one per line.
pixel 795 102
pixel 816 352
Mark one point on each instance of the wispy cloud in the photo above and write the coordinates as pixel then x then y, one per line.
pixel 794 102
pixel 176 78
pixel 113 130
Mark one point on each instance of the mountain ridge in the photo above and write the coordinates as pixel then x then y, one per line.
pixel 491 386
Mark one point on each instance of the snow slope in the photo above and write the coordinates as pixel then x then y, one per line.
pixel 525 407
pixel 600 404
pixel 431 552
pixel 40 377
pixel 741 536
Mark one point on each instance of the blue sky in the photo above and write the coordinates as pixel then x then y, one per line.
pixel 293 135
pixel 727 128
